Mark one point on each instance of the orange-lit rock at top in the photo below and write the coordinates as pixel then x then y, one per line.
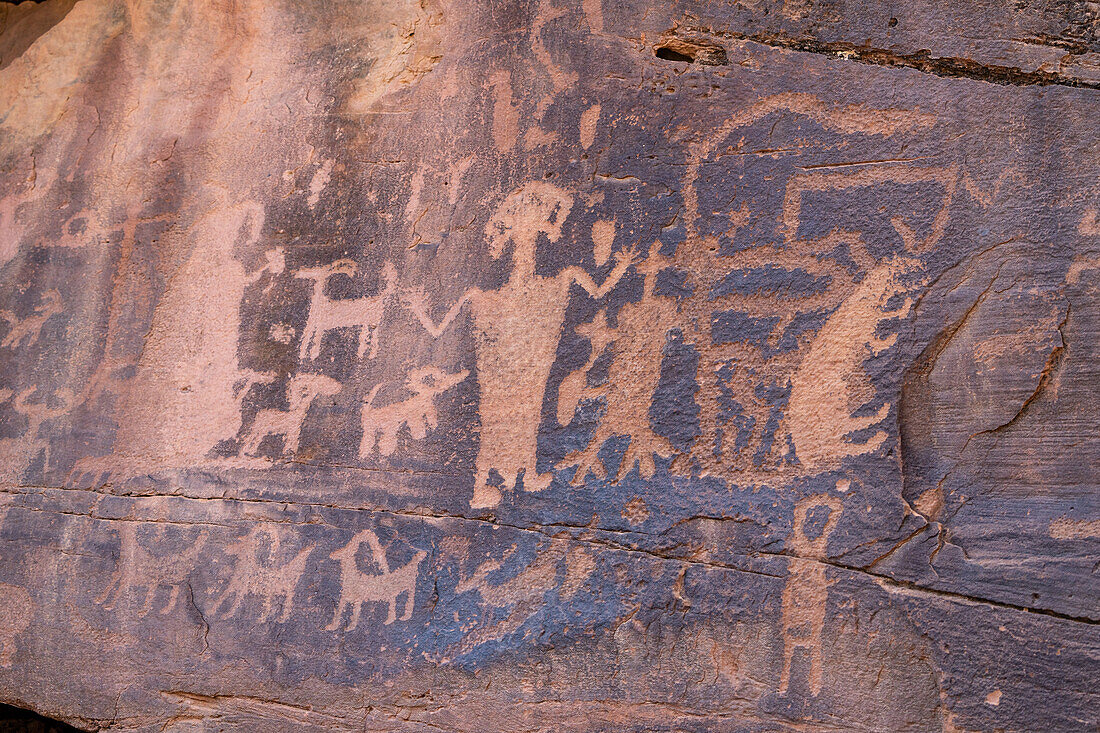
pixel 383 365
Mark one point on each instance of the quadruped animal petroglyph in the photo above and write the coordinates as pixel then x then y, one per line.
pixel 301 391
pixel 382 425
pixel 326 314
pixel 259 572
pixel 140 568
pixel 387 586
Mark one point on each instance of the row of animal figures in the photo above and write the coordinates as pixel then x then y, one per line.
pixel 264 576
pixel 271 581
pixel 381 423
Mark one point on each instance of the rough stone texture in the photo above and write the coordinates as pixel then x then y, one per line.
pixel 545 366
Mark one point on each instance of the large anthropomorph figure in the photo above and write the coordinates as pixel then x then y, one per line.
pixel 517 329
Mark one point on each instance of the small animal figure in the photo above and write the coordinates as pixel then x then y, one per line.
pixel 301 392
pixel 267 580
pixel 27 330
pixel 357 588
pixel 326 314
pixel 138 567
pixel 382 424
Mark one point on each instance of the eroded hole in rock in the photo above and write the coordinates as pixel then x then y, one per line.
pixel 18 720
pixel 668 54
pixel 691 51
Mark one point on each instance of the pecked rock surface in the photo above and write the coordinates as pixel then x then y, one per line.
pixel 550 366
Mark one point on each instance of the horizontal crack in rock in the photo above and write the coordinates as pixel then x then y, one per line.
pixel 922 60
pixel 545 530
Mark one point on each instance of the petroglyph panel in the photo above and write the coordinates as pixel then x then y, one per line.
pixel 546 366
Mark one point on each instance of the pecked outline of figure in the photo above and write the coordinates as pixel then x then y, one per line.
pixel 806 591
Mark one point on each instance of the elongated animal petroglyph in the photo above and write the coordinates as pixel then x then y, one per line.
pixel 25 331
pixel 139 568
pixel 523 591
pixel 807 590
pixel 301 391
pixel 357 588
pixel 829 383
pixel 381 425
pixel 262 577
pixel 517 329
pixel 326 314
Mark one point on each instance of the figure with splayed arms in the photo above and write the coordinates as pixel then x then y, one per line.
pixel 517 329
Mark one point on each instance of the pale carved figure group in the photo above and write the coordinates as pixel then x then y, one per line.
pixel 775 395
pixel 381 424
pixel 517 328
pixel 262 571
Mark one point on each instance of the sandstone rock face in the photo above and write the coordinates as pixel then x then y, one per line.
pixel 403 365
